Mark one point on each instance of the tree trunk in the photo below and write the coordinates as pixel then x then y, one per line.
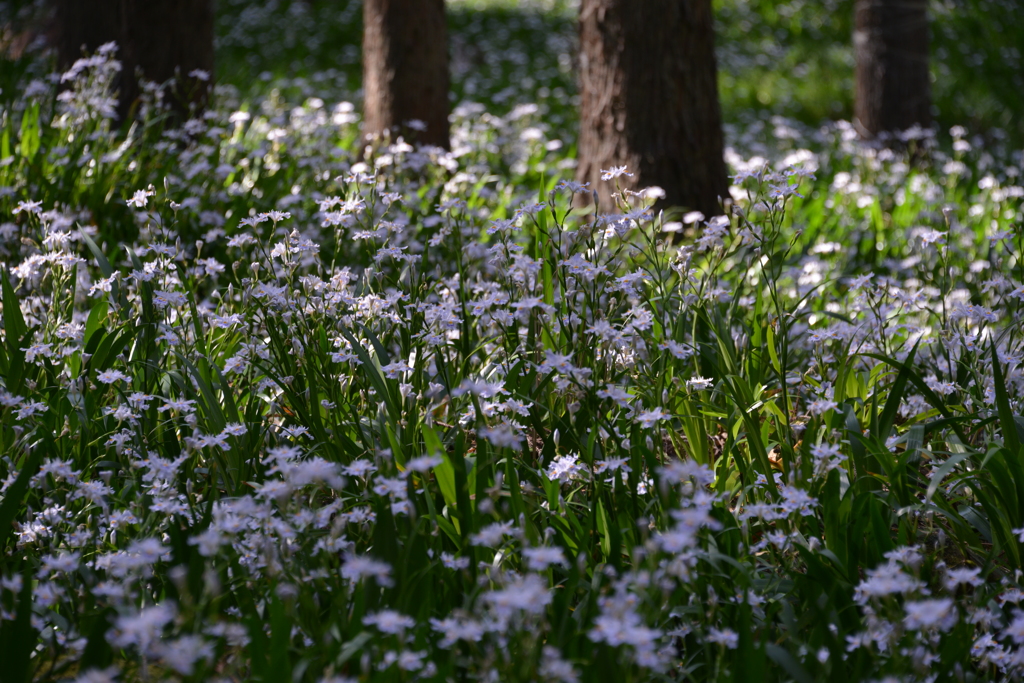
pixel 160 39
pixel 893 85
pixel 649 99
pixel 405 70
pixel 81 26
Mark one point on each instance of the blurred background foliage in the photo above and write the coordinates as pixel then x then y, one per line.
pixel 796 59
pixel 793 58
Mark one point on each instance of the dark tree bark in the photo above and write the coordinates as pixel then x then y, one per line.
pixel 405 69
pixel 893 85
pixel 159 39
pixel 81 26
pixel 649 100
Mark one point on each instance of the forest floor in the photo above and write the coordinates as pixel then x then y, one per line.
pixel 273 407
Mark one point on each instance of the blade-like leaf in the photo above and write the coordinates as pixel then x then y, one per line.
pixel 1006 421
pixel 892 403
pixel 14 496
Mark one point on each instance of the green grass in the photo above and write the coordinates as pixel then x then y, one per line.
pixel 290 414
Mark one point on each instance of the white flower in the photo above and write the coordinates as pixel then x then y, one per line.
pixel 140 199
pixel 359 468
pixel 394 370
pixel 565 468
pixel 234 429
pixel 614 393
pixel 611 465
pixel 1016 629
pixel 699 383
pixel 313 471
pixel 277 216
pixel 93 491
pixel 181 654
pixel 572 187
pixel 820 406
pixel 999 237
pixel 682 352
pixel 30 408
pixel 452 562
pixel 649 418
pixel 208 542
pixel 888 579
pixel 111 376
pixel 108 675
pixel 969 576
pixel 930 236
pixel 539 559
pixel 63 563
pixel 389 621
pixel 502 435
pixel 554 668
pixel 358 567
pixel 797 500
pixel 827 457
pixel 492 535
pixel 480 388
pixel 725 636
pixel 423 464
pixel 45 350
pixel 142 628
pixel 185 406
pixel 455 629
pixel 30 207
pixel 528 594
pixel 614 172
pixel 241 240
pixel 930 613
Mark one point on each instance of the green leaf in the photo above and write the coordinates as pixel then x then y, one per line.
pixel 97 654
pixel 353 647
pixel 13 498
pixel 892 403
pixel 749 663
pixel 463 484
pixel 280 667
pixel 378 347
pixel 258 641
pixel 17 637
pixel 922 386
pixel 14 321
pixel 444 473
pixel 101 259
pixel 604 531
pixel 1006 421
pixel 367 367
pixel 29 142
pixel 835 529
pixel 789 663
pixel 864 462
pixel 109 346
pixel 97 316
pixel 213 412
pixel 942 472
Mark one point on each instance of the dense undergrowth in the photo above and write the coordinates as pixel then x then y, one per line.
pixel 270 410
